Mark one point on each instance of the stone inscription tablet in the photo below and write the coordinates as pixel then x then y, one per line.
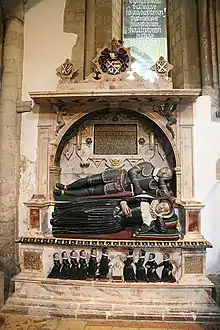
pixel 144 19
pixel 115 139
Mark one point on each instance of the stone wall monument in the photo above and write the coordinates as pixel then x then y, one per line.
pixel 79 124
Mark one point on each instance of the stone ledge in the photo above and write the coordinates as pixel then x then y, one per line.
pixel 111 301
pixel 202 243
pixel 194 282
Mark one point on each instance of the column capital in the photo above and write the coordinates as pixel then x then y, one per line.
pixel 14 10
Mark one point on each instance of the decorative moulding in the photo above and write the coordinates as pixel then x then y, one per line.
pixel 199 243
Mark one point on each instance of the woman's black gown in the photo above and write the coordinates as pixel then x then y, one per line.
pixel 65 269
pixel 128 271
pixel 55 271
pixel 92 268
pixel 82 271
pixel 141 275
pixel 95 216
pixel 74 269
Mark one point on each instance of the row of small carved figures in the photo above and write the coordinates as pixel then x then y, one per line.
pixel 140 271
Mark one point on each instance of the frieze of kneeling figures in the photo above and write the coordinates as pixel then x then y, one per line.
pixel 79 266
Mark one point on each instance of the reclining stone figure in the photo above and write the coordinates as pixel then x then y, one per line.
pixel 142 178
pixel 145 214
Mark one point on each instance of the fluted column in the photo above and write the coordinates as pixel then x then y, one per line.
pixel 10 122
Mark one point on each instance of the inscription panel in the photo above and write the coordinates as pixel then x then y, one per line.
pixel 145 31
pixel 111 139
pixel 144 19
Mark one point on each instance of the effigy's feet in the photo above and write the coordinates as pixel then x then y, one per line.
pixel 57 192
pixel 60 186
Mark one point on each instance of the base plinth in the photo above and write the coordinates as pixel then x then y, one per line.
pixel 105 300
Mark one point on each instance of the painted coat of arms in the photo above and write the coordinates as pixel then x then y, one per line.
pixel 114 59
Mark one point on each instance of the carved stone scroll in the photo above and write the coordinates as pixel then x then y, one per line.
pixel 167 110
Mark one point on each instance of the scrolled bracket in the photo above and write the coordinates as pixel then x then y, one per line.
pixel 168 110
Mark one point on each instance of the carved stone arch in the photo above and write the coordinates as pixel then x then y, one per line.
pixel 157 120
pixel 154 117
pixel 57 145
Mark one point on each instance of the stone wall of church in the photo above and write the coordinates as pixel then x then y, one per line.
pixel 46 45
pixel 183 43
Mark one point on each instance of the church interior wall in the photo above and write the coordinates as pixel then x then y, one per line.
pixel 207 187
pixel 46 45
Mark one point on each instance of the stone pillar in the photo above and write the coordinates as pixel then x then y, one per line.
pixel 103 23
pixel 74 22
pixel 90 51
pixel 1 289
pixel 183 44
pixel 1 41
pixel 10 138
pixel 208 11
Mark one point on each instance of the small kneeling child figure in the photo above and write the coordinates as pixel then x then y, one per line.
pixel 65 267
pixel 82 271
pixel 93 265
pixel 167 275
pixel 141 275
pixel 104 264
pixel 151 266
pixel 74 266
pixel 55 271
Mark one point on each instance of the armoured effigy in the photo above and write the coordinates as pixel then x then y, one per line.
pixel 142 178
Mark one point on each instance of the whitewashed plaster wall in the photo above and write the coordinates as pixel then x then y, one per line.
pixel 207 187
pixel 46 46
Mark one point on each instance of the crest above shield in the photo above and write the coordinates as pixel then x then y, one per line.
pixel 113 59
